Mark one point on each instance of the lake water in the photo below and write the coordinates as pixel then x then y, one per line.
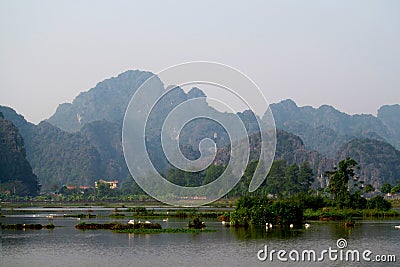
pixel 66 246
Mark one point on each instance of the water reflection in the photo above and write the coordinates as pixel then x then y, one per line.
pixel 276 232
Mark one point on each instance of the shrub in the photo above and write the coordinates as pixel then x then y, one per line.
pixel 379 203
pixel 258 211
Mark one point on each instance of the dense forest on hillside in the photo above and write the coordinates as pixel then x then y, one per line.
pixel 16 175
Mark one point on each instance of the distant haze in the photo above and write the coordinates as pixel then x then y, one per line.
pixel 341 53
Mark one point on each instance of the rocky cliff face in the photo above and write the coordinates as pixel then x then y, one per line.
pixel 379 161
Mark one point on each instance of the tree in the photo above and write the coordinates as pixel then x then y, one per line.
pixel 396 189
pixel 213 172
pixel 176 176
pixel 242 187
pixel 339 181
pixel 369 188
pixel 275 177
pixel 357 201
pixel 291 179
pixel 306 177
pixel 379 203
pixel 386 188
pixel 103 190
pixel 130 187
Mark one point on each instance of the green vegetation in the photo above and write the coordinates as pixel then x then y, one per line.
pixel 329 214
pixel 259 211
pixel 117 226
pixel 283 180
pixel 379 203
pixel 339 185
pixel 343 201
pixel 386 188
pixel 396 189
pixel 196 223
pixel 138 228
pixel 375 213
pixel 62 158
pixel 369 188
pixel 16 176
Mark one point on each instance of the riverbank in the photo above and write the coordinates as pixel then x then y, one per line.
pixel 221 203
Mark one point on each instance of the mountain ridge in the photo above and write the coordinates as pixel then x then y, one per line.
pixel 90 128
pixel 319 127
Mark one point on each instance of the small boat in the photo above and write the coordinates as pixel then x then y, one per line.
pixel 131 222
pixel 307 225
pixel 397 227
pixel 165 220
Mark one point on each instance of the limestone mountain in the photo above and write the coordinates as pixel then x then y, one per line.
pixel 81 142
pixel 324 129
pixel 389 115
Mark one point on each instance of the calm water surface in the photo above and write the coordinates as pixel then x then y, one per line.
pixel 66 246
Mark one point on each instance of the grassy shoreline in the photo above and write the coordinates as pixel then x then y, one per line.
pixel 333 214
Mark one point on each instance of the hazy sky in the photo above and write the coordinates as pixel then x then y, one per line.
pixel 342 53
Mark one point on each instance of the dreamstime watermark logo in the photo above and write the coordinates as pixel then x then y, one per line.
pixel 155 114
pixel 331 254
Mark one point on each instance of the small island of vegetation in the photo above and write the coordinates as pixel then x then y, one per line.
pixel 139 227
pixel 342 200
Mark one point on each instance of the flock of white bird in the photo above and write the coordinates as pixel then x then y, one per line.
pixel 269 226
pixel 133 222
pixel 307 226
